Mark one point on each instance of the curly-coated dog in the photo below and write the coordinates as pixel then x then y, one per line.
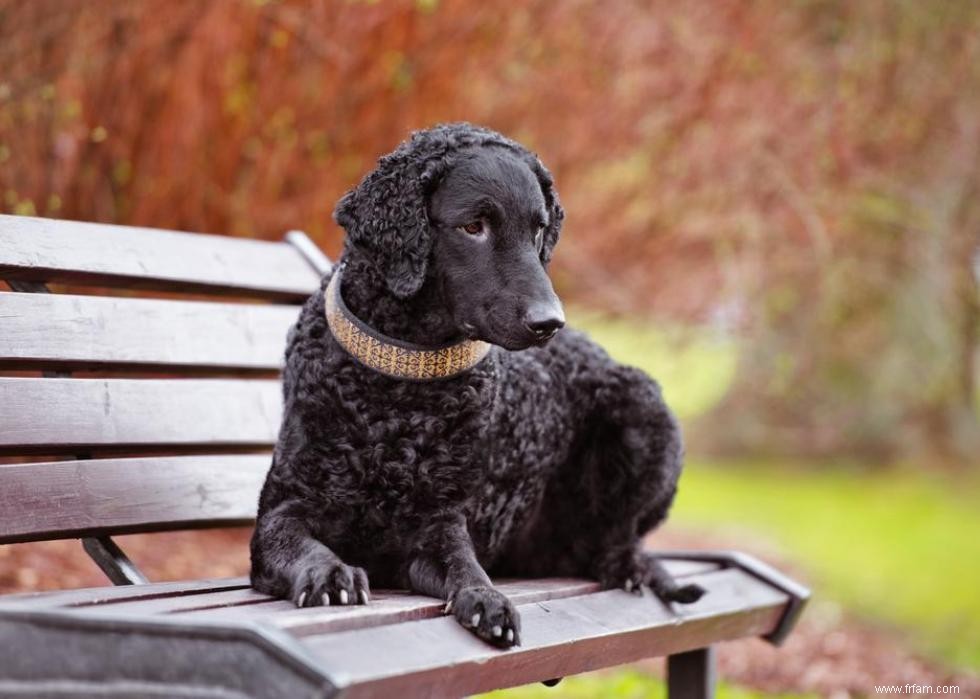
pixel 438 426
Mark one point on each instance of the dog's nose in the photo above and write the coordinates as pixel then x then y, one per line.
pixel 544 320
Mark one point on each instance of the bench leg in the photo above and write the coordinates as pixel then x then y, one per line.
pixel 691 675
pixel 113 562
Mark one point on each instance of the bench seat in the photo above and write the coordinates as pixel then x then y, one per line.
pixel 221 638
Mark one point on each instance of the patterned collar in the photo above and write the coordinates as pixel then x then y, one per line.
pixel 393 357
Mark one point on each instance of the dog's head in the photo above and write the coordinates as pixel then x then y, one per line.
pixel 473 212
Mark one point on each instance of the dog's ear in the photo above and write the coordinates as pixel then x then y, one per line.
pixel 556 213
pixel 385 215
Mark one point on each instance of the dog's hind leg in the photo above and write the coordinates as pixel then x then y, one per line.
pixel 632 466
pixel 646 569
pixel 444 565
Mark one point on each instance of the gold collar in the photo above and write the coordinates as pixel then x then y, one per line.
pixel 392 357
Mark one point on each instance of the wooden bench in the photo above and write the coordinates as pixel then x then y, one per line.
pixel 136 444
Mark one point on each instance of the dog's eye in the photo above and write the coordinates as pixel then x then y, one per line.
pixel 539 237
pixel 474 228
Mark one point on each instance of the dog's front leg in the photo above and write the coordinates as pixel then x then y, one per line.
pixel 444 565
pixel 287 561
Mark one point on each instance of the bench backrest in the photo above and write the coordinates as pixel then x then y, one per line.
pixel 139 414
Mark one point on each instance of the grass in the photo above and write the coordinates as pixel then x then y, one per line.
pixel 896 545
pixel 622 684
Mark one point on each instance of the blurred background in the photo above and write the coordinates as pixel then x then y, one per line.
pixel 772 206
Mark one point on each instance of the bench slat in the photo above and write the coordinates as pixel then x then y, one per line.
pixel 66 331
pixel 231 600
pixel 97 596
pixel 69 499
pixel 386 607
pixel 58 415
pixel 436 657
pixel 48 250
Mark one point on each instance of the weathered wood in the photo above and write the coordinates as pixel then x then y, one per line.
pixel 96 596
pixel 798 594
pixel 84 656
pixel 59 415
pixel 432 656
pixel 389 607
pixel 436 657
pixel 78 332
pixel 691 674
pixel 232 600
pixel 47 250
pixel 95 497
pixel 217 599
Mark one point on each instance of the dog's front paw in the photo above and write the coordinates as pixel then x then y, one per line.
pixel 324 582
pixel 488 614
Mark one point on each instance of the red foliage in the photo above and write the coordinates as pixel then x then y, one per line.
pixel 809 169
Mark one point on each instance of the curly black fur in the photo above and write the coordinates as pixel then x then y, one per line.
pixel 553 460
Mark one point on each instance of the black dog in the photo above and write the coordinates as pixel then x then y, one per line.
pixel 419 446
